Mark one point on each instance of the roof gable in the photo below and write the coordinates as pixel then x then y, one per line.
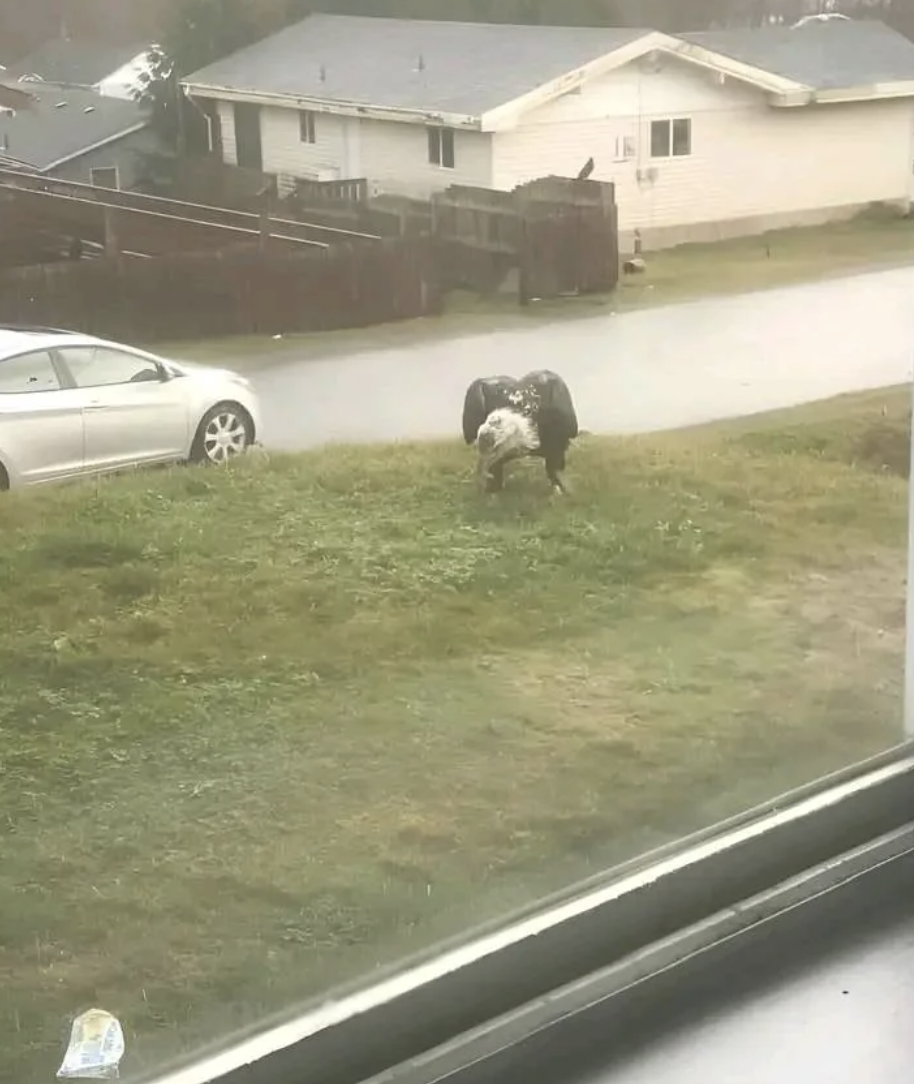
pixel 823 55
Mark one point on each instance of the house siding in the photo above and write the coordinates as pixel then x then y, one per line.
pixel 128 154
pixel 392 156
pixel 227 126
pixel 751 167
pixel 395 159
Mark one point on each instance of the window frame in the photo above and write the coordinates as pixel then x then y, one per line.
pixel 670 123
pixel 625 148
pixel 117 177
pixel 395 1024
pixel 441 139
pixel 49 351
pixel 307 127
pixel 64 368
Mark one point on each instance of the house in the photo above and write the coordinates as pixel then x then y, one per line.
pixel 705 135
pixel 14 97
pixel 112 70
pixel 75 135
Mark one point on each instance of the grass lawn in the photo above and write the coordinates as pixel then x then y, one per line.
pixel 869 241
pixel 873 240
pixel 267 727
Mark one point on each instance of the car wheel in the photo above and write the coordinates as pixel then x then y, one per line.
pixel 224 432
pixel 4 479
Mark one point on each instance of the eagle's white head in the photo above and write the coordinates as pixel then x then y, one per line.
pixel 505 435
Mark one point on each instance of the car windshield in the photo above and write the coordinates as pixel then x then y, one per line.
pixel 534 494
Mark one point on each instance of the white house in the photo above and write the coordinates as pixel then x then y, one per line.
pixel 704 135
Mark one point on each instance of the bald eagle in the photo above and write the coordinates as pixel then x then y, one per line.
pixel 508 419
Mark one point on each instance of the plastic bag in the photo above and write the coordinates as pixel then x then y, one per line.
pixel 96 1047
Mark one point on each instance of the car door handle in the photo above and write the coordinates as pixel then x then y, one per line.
pixel 94 406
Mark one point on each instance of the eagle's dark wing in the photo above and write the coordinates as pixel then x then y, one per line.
pixel 556 403
pixel 483 396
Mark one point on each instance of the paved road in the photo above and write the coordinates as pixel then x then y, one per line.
pixel 653 369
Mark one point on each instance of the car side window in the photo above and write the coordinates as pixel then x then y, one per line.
pixel 28 373
pixel 102 366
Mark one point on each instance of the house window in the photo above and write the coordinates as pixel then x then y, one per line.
pixel 441 147
pixel 105 177
pixel 306 126
pixel 625 148
pixel 671 138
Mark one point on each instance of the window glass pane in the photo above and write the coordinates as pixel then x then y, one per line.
pixel 93 366
pixel 306 124
pixel 682 137
pixel 660 138
pixel 28 372
pixel 105 176
pixel 265 729
pixel 447 148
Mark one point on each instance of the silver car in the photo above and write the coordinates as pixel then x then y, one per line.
pixel 73 405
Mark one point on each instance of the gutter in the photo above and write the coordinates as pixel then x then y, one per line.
pixel 337 107
pixel 875 92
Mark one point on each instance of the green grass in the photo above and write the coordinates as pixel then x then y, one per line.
pixel 874 240
pixel 265 728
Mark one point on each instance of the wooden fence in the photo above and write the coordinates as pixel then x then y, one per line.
pixel 353 191
pixel 569 238
pixel 232 293
pixel 560 235
pixel 554 236
pixel 149 224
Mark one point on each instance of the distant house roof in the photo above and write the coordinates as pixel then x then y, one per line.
pixel 15 97
pixel 63 123
pixel 410 64
pixel 826 55
pixel 484 75
pixel 73 62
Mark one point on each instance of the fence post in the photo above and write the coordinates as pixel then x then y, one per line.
pixel 523 262
pixel 112 246
pixel 264 219
pixel 264 229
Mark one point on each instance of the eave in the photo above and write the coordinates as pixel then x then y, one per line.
pixel 329 105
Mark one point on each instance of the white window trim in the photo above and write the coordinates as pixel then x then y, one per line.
pixel 671 121
pixel 117 175
pixel 626 148
pixel 439 129
pixel 307 127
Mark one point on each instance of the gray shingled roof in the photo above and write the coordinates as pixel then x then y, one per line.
pixel 466 68
pixel 73 62
pixel 44 134
pixel 826 56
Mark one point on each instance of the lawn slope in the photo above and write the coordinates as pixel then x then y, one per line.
pixel 263 728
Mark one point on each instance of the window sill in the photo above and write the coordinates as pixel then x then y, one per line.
pixel 624 928
pixel 606 1021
